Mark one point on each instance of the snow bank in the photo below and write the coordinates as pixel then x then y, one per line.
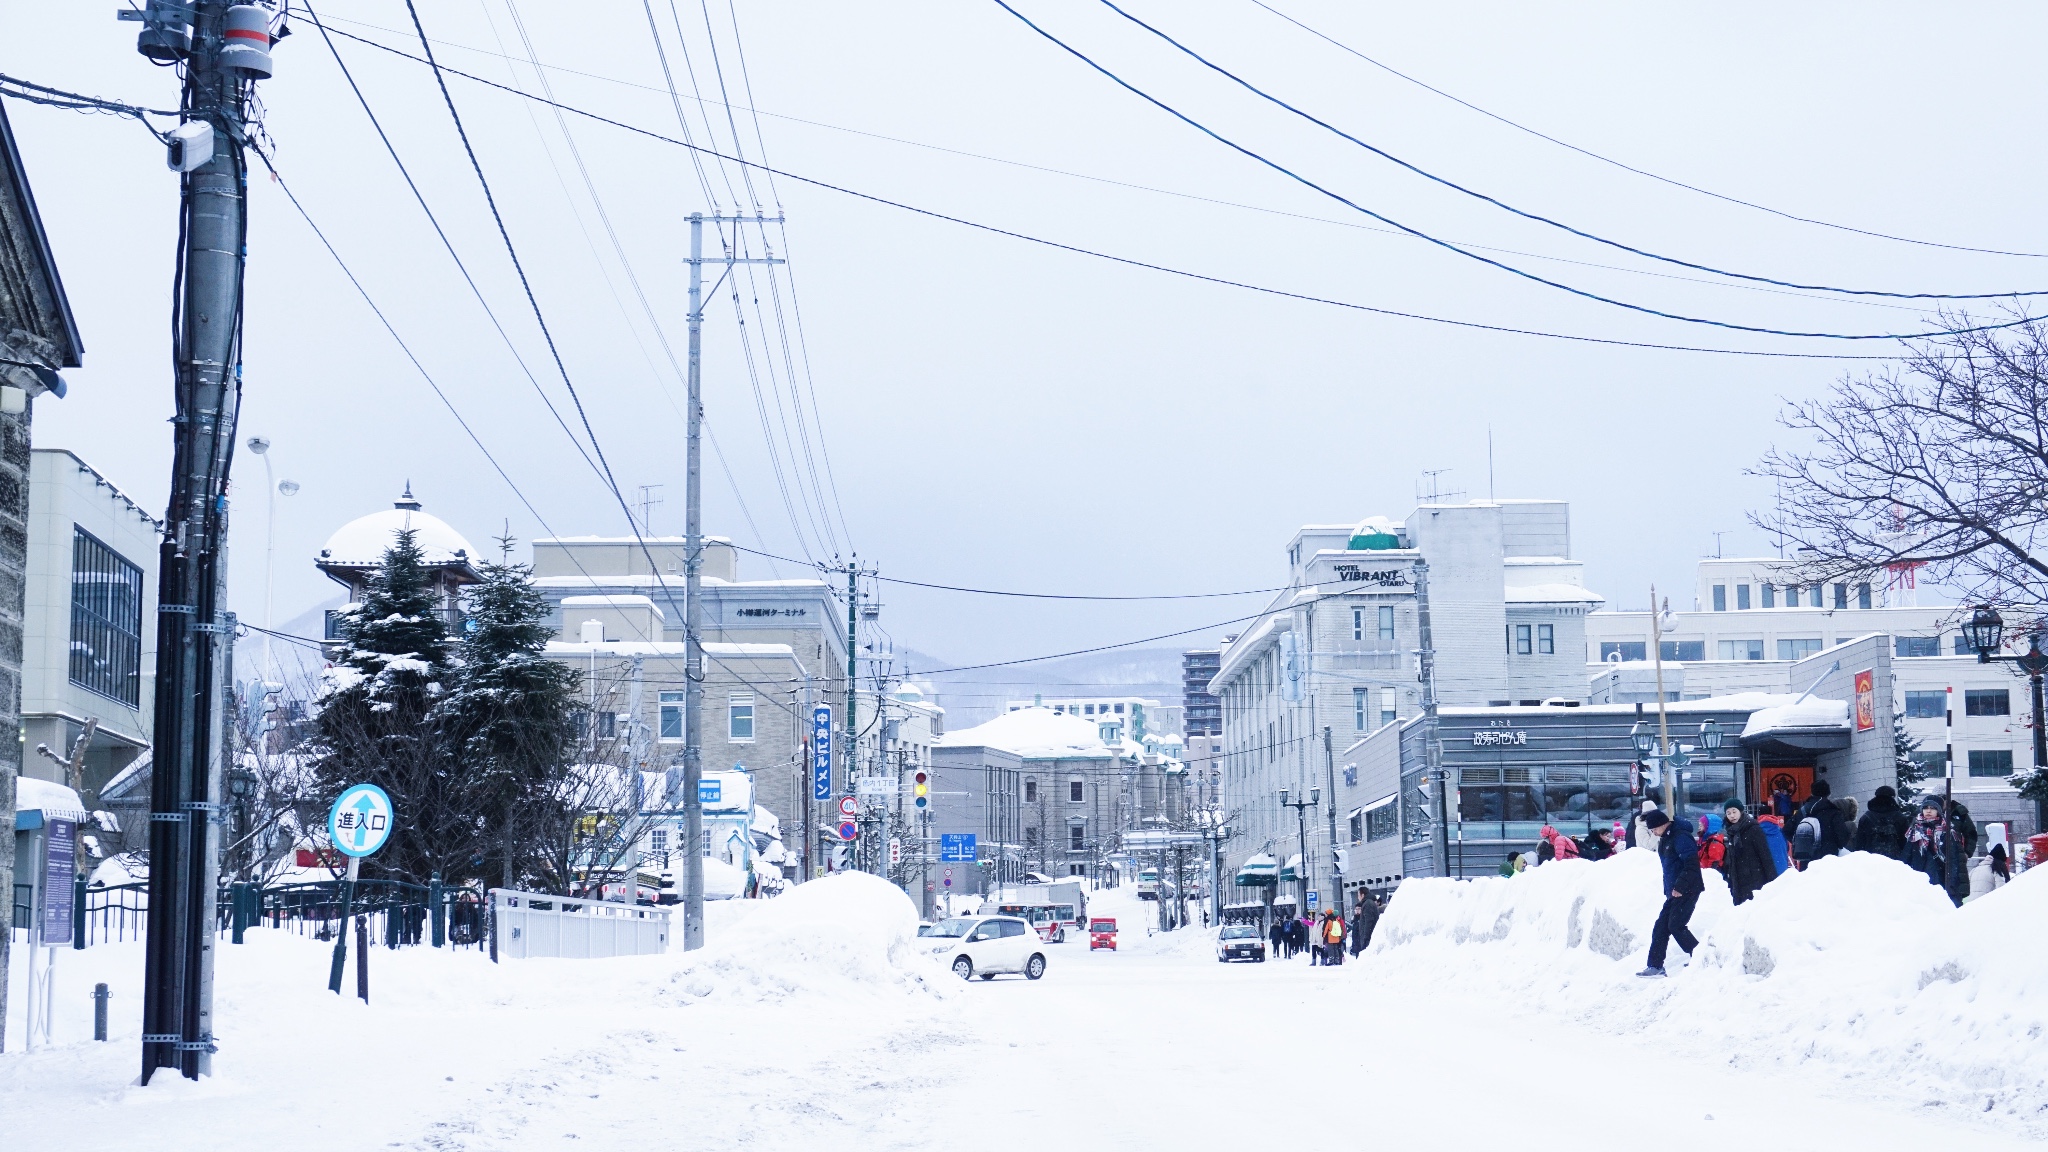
pixel 846 936
pixel 1856 965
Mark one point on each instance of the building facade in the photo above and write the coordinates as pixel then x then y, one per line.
pixel 1202 713
pixel 1754 623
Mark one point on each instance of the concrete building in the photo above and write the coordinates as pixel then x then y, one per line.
pixel 1144 717
pixel 356 550
pixel 1767 623
pixel 1336 651
pixel 89 644
pixel 1202 713
pixel 38 336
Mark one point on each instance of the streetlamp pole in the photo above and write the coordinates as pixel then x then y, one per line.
pixel 1986 633
pixel 1301 808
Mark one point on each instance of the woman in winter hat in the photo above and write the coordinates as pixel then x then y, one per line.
pixel 1933 850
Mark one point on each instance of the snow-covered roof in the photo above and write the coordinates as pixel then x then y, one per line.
pixel 1033 733
pixel 1551 594
pixel 1798 714
pixel 362 542
pixel 664 648
pixel 626 600
pixel 54 801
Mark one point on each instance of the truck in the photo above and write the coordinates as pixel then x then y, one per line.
pixel 1067 899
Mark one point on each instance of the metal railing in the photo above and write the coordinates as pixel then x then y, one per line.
pixel 400 914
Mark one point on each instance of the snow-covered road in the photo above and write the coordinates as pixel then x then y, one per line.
pixel 1155 1046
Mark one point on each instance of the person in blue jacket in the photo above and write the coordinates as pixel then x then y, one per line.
pixel 1680 856
pixel 1774 835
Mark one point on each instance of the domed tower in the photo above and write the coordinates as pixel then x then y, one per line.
pixel 353 554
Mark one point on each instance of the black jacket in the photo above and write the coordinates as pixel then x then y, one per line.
pixel 1834 831
pixel 1594 848
pixel 1748 862
pixel 1882 829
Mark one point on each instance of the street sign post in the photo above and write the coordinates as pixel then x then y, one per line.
pixel 821 752
pixel 849 831
pixel 956 847
pixel 849 807
pixel 710 791
pixel 1312 898
pixel 358 825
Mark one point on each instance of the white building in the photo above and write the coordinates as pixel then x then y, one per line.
pixel 1337 649
pixel 1145 716
pixel 1751 620
pixel 89 631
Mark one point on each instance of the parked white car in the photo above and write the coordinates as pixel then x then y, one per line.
pixel 986 946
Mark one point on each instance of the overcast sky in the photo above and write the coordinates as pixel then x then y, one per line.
pixel 1001 414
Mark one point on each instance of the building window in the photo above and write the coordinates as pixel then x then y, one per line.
pixel 1742 597
pixel 1522 640
pixel 1962 646
pixel 106 620
pixel 1986 702
pixel 1863 595
pixel 1389 703
pixel 1990 761
pixel 1841 595
pixel 671 716
pixel 1031 791
pixel 1546 639
pixel 1917 645
pixel 1358 827
pixel 1358 708
pixel 1742 650
pixel 1770 592
pixel 1797 649
pixel 1926 705
pixel 1358 623
pixel 1074 791
pixel 1683 651
pixel 1813 595
pixel 657 840
pixel 1387 622
pixel 1720 597
pixel 740 718
pixel 1932 765
pixel 1077 835
pixel 1623 650
pixel 607 725
pixel 1031 837
pixel 1119 709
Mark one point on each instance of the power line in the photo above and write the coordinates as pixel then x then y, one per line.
pixel 1123 644
pixel 1503 205
pixel 1132 262
pixel 1589 153
pixel 1450 247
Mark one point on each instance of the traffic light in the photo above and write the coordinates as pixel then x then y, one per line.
pixel 921 788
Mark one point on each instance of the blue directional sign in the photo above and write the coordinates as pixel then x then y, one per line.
pixel 360 821
pixel 1312 901
pixel 710 791
pixel 956 846
pixel 821 752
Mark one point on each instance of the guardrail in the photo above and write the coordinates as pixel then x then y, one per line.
pixel 535 924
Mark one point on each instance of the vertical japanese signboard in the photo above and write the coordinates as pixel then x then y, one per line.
pixel 1866 700
pixel 60 860
pixel 821 752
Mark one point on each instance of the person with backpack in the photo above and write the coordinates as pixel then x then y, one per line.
pixel 1562 847
pixel 1747 862
pixel 1773 827
pixel 1819 831
pixel 1680 858
pixel 1331 937
pixel 1935 851
pixel 1882 830
pixel 1598 845
pixel 1713 849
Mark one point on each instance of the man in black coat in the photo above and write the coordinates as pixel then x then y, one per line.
pixel 1363 921
pixel 1680 855
pixel 1748 860
pixel 1882 830
pixel 1834 831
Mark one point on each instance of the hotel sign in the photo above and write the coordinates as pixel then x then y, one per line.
pixel 1379 577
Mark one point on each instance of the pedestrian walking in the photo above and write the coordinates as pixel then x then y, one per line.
pixel 1637 836
pixel 1772 826
pixel 1680 858
pixel 1819 831
pixel 1363 922
pixel 1882 828
pixel 1332 933
pixel 1747 861
pixel 1934 850
pixel 1278 935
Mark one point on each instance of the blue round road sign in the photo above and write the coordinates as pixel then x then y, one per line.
pixel 848 830
pixel 360 821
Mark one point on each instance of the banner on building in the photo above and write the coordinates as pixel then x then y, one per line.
pixel 1866 700
pixel 821 752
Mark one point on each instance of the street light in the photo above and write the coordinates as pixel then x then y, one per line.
pixel 271 487
pixel 1301 808
pixel 1986 633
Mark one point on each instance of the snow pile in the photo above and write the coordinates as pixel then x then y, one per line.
pixel 54 801
pixel 846 936
pixel 1802 712
pixel 1033 733
pixel 1857 966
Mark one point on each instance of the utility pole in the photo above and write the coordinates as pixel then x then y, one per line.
pixel 224 50
pixel 693 580
pixel 1432 747
pixel 852 654
pixel 1336 873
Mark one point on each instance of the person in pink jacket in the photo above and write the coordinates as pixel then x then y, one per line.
pixel 1562 847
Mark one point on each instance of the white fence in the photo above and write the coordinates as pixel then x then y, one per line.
pixel 530 924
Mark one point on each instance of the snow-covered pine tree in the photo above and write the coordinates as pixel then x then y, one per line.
pixel 509 716
pixel 1909 771
pixel 378 721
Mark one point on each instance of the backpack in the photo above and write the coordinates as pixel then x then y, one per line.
pixel 1713 850
pixel 1806 839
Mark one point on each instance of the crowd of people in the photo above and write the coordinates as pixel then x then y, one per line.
pixel 1326 938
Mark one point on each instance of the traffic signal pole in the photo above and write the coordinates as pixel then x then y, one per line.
pixel 224 49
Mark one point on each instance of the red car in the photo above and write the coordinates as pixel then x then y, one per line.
pixel 1101 934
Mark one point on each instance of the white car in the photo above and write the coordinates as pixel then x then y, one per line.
pixel 985 946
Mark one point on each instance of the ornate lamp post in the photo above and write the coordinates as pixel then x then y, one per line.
pixel 1986 633
pixel 1666 752
pixel 1301 808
